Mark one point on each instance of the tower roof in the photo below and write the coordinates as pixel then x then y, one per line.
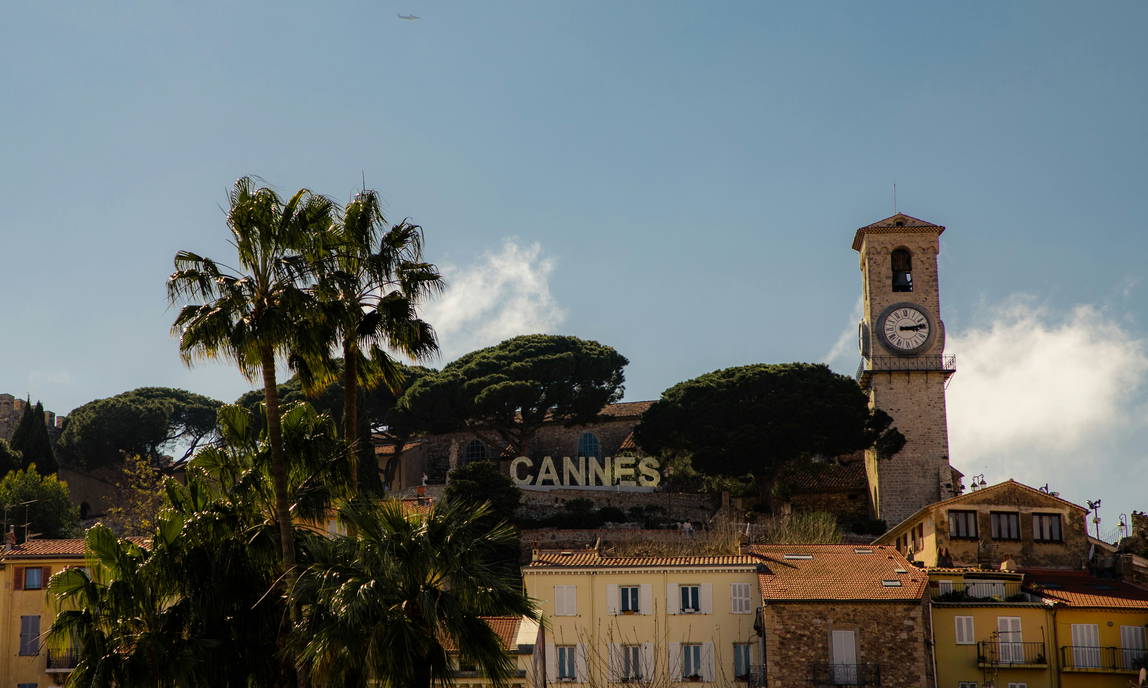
pixel 895 223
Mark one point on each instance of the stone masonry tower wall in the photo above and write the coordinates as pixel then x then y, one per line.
pixel 906 379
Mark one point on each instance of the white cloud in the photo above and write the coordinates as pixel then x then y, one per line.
pixel 844 350
pixel 1040 395
pixel 506 293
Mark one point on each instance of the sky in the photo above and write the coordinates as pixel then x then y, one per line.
pixel 679 180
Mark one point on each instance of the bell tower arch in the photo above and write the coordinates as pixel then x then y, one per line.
pixel 903 365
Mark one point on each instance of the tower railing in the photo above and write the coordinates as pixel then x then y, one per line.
pixel 943 363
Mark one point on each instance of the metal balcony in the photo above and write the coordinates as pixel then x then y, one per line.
pixel 1006 653
pixel 941 363
pixel 1102 659
pixel 846 674
pixel 62 659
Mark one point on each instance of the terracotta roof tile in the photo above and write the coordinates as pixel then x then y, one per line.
pixel 506 627
pixel 626 409
pixel 71 548
pixel 591 558
pixel 1078 589
pixel 628 444
pixel 837 572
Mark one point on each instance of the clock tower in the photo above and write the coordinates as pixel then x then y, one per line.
pixel 903 365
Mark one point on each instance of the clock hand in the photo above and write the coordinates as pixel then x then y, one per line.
pixel 911 328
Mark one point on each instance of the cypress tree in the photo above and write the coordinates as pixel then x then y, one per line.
pixel 32 441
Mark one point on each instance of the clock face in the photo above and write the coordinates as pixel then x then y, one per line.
pixel 905 328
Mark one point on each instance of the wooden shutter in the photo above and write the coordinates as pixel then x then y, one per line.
pixel 708 669
pixel 647 661
pixel 551 662
pixel 612 598
pixel 18 581
pixel 646 599
pixel 615 662
pixel 706 598
pixel 673 599
pixel 581 667
pixel 964 630
pixel 674 660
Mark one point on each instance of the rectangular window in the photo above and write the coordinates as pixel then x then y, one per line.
pixel 965 630
pixel 1005 525
pixel 1046 527
pixel 29 635
pixel 692 662
pixel 565 600
pixel 691 599
pixel 944 587
pixel 739 598
pixel 629 602
pixel 966 684
pixel 33 578
pixel 631 662
pixel 963 524
pixel 566 671
pixel 741 665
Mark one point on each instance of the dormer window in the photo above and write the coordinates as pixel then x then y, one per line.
pixel 902 262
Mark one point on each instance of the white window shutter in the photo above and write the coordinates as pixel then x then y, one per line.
pixel 580 665
pixel 646 598
pixel 612 599
pixel 551 662
pixel 674 660
pixel 647 661
pixel 673 599
pixel 615 657
pixel 708 673
pixel 706 598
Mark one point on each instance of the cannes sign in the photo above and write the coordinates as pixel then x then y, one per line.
pixel 586 472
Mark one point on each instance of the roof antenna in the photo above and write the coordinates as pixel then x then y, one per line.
pixel 894 198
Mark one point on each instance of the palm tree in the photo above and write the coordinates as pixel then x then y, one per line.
pixel 253 313
pixel 369 286
pixel 385 603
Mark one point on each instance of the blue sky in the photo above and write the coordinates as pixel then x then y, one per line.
pixel 679 180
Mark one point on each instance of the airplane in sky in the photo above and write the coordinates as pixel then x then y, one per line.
pixel 409 17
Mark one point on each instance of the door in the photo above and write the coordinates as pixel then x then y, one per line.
pixel 1132 640
pixel 844 658
pixel 1086 646
pixel 1009 640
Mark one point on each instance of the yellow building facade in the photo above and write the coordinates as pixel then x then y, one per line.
pixel 26 614
pixel 654 620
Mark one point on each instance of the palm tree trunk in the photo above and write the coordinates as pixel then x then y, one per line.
pixel 279 482
pixel 351 411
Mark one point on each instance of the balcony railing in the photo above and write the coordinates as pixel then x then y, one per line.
pixel 1093 658
pixel 991 653
pixel 846 674
pixel 979 591
pixel 63 660
pixel 938 362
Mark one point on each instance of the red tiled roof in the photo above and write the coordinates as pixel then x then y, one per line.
pixel 626 409
pixel 897 223
pixel 836 572
pixel 389 447
pixel 628 444
pixel 1078 589
pixel 71 548
pixel 506 627
pixel 591 558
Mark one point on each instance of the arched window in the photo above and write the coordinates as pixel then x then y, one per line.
pixel 902 262
pixel 474 451
pixel 588 446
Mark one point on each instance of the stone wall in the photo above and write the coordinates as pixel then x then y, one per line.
pixel 889 634
pixel 677 506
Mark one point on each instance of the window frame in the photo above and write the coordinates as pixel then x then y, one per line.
pixel 559 601
pixel 587 439
pixel 684 593
pixel 39 578
pixel 959 520
pixel 997 522
pixel 1051 518
pixel 630 599
pixel 740 604
pixel 971 637
pixel 565 657
pixel 692 661
pixel 30 641
pixel 742 654
pixel 631 662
